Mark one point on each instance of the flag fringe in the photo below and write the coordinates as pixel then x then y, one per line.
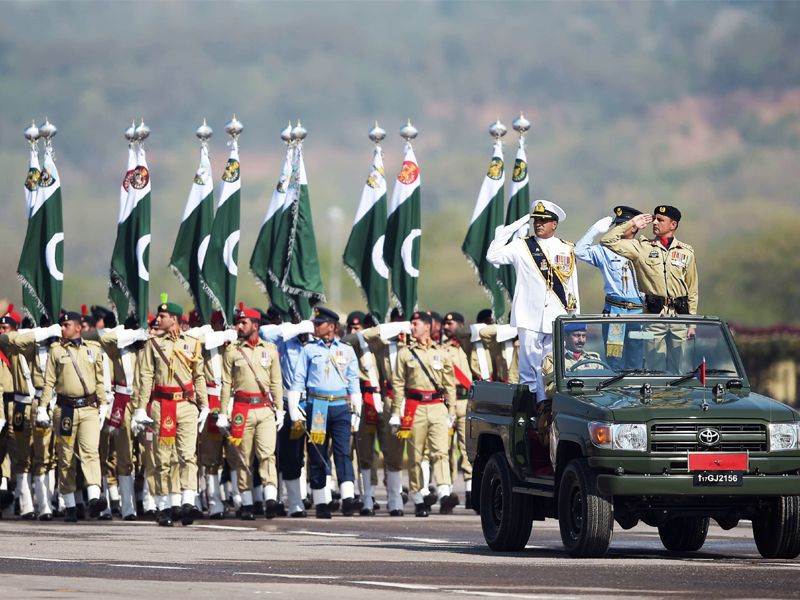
pixel 115 281
pixel 186 285
pixel 350 271
pixel 39 304
pixel 261 284
pixel 482 284
pixel 215 301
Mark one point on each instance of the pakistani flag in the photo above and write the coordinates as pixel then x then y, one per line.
pixel 518 207
pixel 486 219
pixel 401 249
pixel 267 243
pixel 129 283
pixel 194 235
pixel 363 255
pixel 42 260
pixel 302 279
pixel 219 268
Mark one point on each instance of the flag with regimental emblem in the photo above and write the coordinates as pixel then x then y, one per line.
pixel 518 207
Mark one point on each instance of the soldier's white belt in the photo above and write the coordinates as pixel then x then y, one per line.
pixel 23 398
pixel 212 389
pixel 123 389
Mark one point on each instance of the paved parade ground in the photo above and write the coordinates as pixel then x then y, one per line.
pixel 363 557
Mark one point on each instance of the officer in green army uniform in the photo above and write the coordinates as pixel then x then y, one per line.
pixel 75 373
pixel 666 272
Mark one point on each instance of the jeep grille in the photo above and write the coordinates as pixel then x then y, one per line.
pixel 682 437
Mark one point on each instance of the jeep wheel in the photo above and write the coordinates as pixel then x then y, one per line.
pixel 506 517
pixel 777 531
pixel 585 516
pixel 684 534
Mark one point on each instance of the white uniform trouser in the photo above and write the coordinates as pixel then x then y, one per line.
pixel 533 347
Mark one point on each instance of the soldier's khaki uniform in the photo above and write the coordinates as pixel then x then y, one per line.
pixel 430 419
pixel 62 377
pixel 458 442
pixel 7 448
pixel 239 386
pixel 667 277
pixel 185 362
pixel 544 409
pixel 480 359
pixel 505 354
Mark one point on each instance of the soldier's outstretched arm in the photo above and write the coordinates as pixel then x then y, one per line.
pixel 227 380
pixel 399 382
pixel 144 368
pixel 49 378
pixel 500 252
pixel 692 285
pixel 626 248
pixel 199 377
pixel 100 387
pixel 276 380
pixel 449 385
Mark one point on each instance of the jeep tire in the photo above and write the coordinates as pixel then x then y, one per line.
pixel 684 534
pixel 585 516
pixel 777 531
pixel 506 517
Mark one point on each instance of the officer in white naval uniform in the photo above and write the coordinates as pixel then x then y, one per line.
pixel 547 285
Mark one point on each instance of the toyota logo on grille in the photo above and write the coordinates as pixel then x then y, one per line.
pixel 708 437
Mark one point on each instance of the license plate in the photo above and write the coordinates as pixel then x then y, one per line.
pixel 718 478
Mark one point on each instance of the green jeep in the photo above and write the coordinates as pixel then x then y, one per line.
pixel 671 435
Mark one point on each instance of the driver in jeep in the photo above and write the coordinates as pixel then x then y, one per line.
pixel 575 358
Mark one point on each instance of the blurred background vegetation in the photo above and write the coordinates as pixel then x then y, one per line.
pixel 695 104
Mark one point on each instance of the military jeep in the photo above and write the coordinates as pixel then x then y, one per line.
pixel 653 420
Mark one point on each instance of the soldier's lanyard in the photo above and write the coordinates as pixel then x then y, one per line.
pixel 169 366
pixel 336 365
pixel 253 370
pixel 77 370
pixel 425 370
pixel 369 361
pixel 26 373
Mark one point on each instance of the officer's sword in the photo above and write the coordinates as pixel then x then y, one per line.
pixel 70 448
pixel 358 460
pixel 324 462
pixel 226 434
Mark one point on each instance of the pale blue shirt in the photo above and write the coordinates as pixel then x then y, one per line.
pixel 289 351
pixel 613 267
pixel 317 368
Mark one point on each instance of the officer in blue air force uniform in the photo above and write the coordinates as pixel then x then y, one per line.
pixel 328 369
pixel 619 283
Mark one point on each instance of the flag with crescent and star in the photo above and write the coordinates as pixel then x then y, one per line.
pixel 267 244
pixel 363 255
pixel 487 217
pixel 518 206
pixel 129 282
pixel 194 236
pixel 220 268
pixel 401 250
pixel 41 263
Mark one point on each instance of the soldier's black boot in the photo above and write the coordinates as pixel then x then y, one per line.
pixel 165 518
pixel 375 505
pixel 258 509
pixel 404 495
pixel 6 499
pixel 350 506
pixel 334 505
pixel 420 510
pixel 139 507
pixel 97 506
pixel 397 512
pixel 175 513
pixel 468 502
pixel 80 512
pixel 430 499
pixel 247 513
pixel 280 511
pixel 448 503
pixel 116 509
pixel 323 511
pixel 46 517
pixel 271 509
pixel 71 515
pixel 188 512
pixel 307 503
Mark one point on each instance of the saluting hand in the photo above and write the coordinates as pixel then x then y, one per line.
pixel 642 221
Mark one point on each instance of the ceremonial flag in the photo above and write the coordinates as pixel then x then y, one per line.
pixel 219 268
pixel 194 236
pixel 700 372
pixel 486 218
pixel 41 263
pixel 401 249
pixel 267 243
pixel 363 255
pixel 129 282
pixel 302 280
pixel 518 207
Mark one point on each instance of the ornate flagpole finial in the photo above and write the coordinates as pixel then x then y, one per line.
pixel 377 134
pixel 47 131
pixel 141 133
pixel 521 125
pixel 130 133
pixel 32 134
pixel 408 132
pixel 497 129
pixel 234 128
pixel 299 132
pixel 286 133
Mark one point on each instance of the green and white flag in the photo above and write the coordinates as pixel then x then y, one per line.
pixel 267 243
pixel 487 217
pixel 219 268
pixel 518 207
pixel 302 280
pixel 129 282
pixel 363 255
pixel 41 263
pixel 401 249
pixel 194 236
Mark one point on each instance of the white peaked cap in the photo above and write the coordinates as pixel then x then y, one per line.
pixel 544 207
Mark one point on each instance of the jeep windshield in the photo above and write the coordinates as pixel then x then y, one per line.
pixel 620 348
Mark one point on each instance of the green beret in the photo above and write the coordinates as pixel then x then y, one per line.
pixel 172 308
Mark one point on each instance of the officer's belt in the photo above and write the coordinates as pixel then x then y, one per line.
pixel 254 399
pixel 326 398
pixel 212 389
pixel 624 304
pixel 173 392
pixel 387 385
pixel 23 398
pixel 8 396
pixel 655 304
pixel 424 395
pixel 366 388
pixel 79 402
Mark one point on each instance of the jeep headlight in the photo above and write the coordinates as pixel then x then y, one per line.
pixel 619 436
pixel 783 436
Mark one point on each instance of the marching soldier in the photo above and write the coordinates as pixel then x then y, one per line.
pixel 171 367
pixel 502 343
pixel 424 382
pixel 547 285
pixel 666 272
pixel 327 370
pixel 75 373
pixel 469 338
pixel 619 282
pixel 251 380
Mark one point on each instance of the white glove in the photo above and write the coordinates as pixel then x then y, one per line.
pixel 41 334
pixel 42 418
pixel 230 335
pixel 376 398
pixel 519 222
pixel 604 224
pixel 295 414
pixel 451 420
pixel 280 417
pixel 103 413
pixel 395 424
pixel 140 421
pixel 201 418
pixel 222 422
pixel 290 330
pixel 392 330
pixel 2 424
pixel 355 406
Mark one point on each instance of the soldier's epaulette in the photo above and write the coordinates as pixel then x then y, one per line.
pixel 341 341
pixel 271 346
pixel 686 246
pixel 570 244
pixel 91 343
